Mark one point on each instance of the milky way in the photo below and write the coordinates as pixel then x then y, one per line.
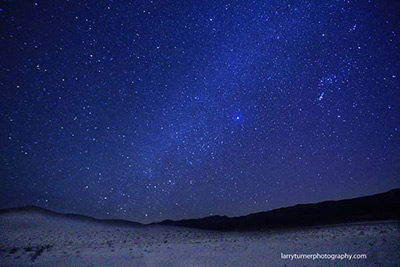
pixel 158 110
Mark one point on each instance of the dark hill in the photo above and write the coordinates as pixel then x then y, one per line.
pixel 72 216
pixel 384 206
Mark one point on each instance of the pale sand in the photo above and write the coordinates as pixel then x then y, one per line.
pixel 32 239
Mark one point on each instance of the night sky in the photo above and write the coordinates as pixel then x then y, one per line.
pixel 153 110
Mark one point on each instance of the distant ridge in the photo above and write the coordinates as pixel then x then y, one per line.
pixel 39 210
pixel 383 206
pixel 379 207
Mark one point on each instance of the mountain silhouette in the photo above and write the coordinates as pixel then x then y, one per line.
pixel 384 206
pixel 379 207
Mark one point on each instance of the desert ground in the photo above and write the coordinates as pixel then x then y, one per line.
pixel 34 239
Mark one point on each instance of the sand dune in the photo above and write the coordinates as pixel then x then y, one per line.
pixel 39 239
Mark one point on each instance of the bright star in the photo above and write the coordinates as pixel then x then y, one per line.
pixel 237 117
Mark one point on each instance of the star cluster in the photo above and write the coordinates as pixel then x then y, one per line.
pixel 153 110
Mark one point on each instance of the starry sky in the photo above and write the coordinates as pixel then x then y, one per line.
pixel 153 110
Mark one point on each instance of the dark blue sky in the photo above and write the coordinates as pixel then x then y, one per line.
pixel 179 109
